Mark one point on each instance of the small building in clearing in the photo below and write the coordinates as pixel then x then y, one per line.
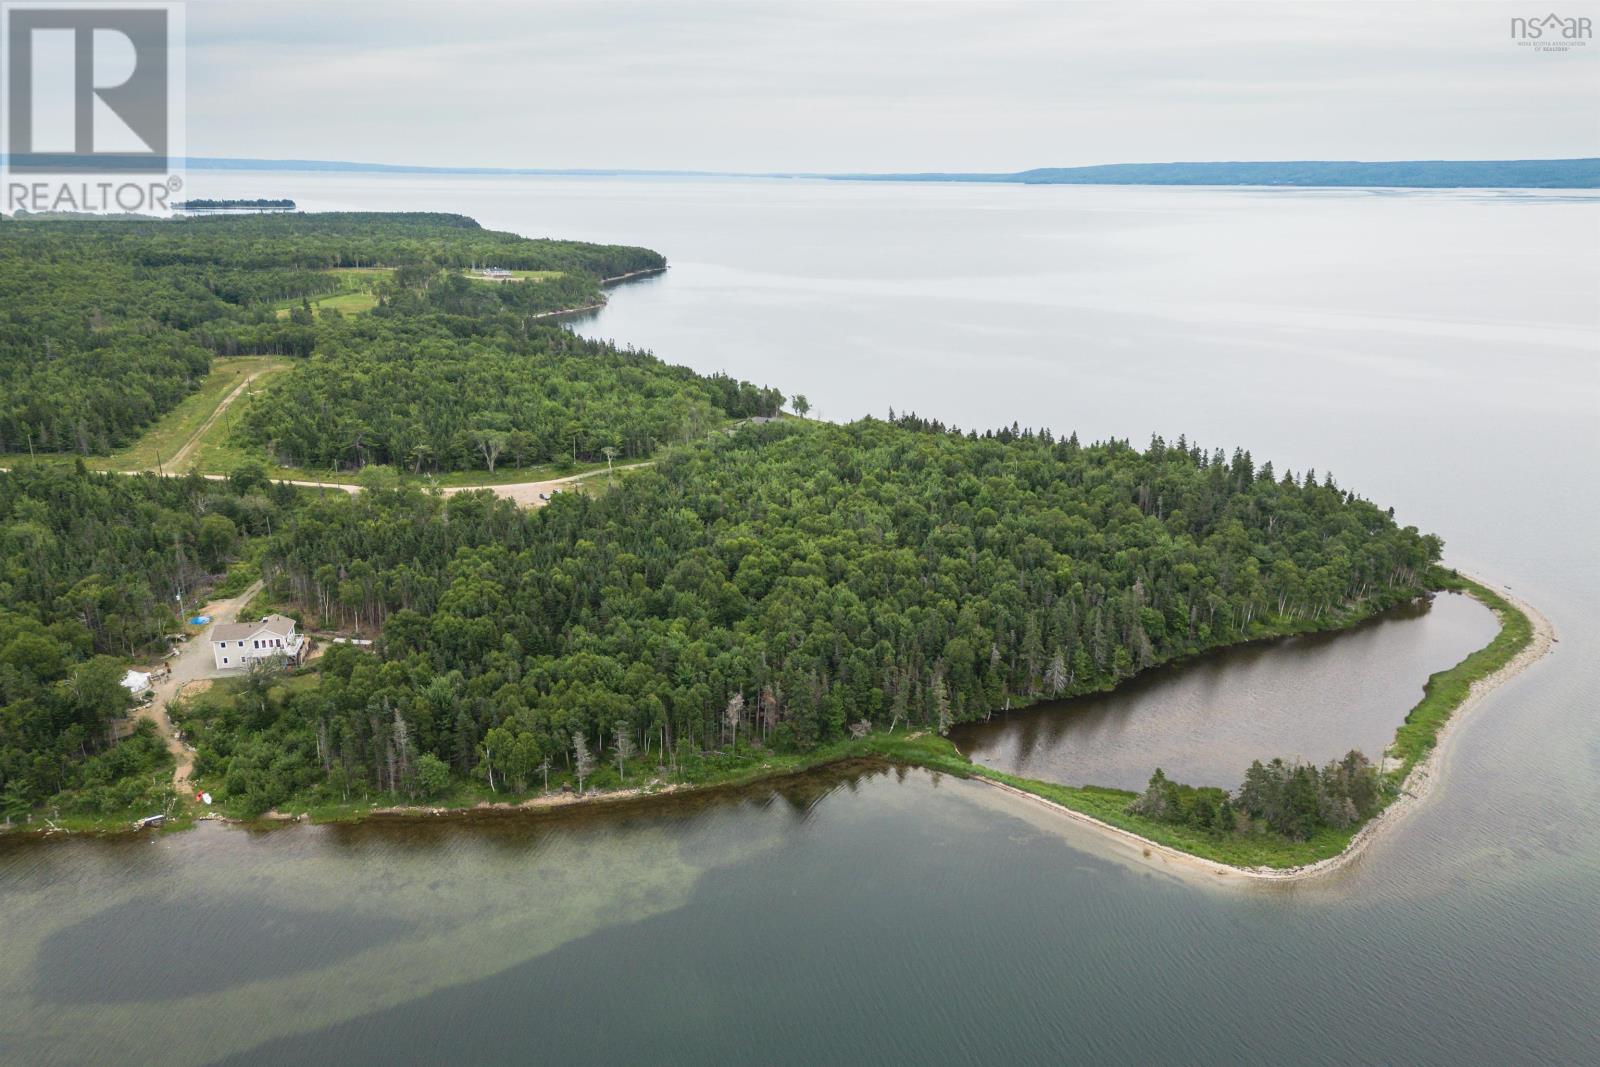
pixel 236 645
pixel 137 683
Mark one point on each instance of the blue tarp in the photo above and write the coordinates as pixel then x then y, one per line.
pixel 199 620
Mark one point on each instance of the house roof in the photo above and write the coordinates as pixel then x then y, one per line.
pixel 276 625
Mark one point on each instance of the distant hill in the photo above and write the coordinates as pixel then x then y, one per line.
pixel 1414 174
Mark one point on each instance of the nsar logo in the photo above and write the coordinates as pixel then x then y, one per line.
pixel 1552 33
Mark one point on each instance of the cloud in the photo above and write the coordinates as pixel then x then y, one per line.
pixel 877 86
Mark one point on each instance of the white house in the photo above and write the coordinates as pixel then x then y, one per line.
pixel 236 645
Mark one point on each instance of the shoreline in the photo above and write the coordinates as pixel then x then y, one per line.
pixel 889 749
pixel 567 311
pixel 1414 789
pixel 646 272
pixel 604 283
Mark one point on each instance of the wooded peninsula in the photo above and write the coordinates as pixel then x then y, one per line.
pixel 756 594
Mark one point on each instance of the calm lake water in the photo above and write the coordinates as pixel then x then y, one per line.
pixel 1312 697
pixel 1436 351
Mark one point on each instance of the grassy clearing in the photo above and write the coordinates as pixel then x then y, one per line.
pixel 215 453
pixel 340 303
pixel 179 426
pixel 347 303
pixel 357 292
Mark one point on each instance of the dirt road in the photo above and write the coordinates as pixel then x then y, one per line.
pixel 179 459
pixel 527 494
pixel 193 662
pixel 524 494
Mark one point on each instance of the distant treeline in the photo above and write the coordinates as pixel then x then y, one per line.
pixel 232 205
pixel 1416 174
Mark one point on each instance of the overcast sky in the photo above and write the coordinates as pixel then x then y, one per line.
pixel 898 86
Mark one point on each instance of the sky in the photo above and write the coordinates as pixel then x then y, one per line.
pixel 761 85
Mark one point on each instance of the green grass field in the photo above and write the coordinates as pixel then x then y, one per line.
pixel 349 303
pixel 342 303
pixel 356 292
pixel 177 427
pixel 211 448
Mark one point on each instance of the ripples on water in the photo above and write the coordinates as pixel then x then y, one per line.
pixel 863 916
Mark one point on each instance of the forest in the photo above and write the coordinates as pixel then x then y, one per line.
pixel 234 205
pixel 780 587
pixel 93 570
pixel 105 325
pixel 457 375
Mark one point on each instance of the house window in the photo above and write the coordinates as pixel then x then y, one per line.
pixel 224 659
